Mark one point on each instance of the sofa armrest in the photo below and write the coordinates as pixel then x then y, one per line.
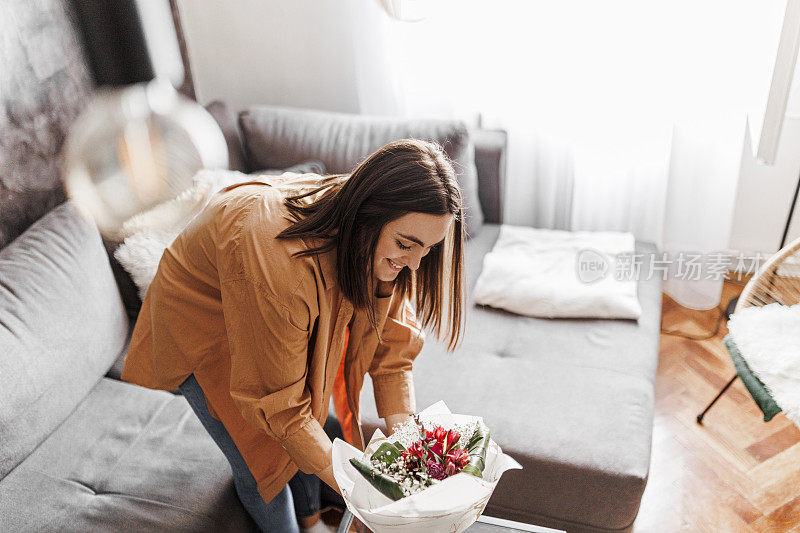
pixel 490 162
pixel 229 124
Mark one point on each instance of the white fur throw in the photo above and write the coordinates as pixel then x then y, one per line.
pixel 148 234
pixel 769 340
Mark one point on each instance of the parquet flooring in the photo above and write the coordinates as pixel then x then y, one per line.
pixel 735 473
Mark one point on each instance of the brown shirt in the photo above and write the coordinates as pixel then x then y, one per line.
pixel 264 332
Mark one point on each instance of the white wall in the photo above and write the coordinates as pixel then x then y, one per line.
pixel 299 53
pixel 284 52
pixel 764 196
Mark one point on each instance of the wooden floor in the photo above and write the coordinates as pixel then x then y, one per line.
pixel 733 473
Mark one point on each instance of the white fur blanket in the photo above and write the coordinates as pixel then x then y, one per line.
pixel 769 340
pixel 148 234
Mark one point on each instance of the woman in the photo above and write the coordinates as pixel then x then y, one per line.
pixel 285 292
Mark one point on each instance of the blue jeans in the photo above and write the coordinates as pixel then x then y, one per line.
pixel 300 497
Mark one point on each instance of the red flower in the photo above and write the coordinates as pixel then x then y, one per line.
pixel 459 457
pixel 416 450
pixel 436 470
pixel 439 433
pixel 451 439
pixel 450 469
pixel 436 449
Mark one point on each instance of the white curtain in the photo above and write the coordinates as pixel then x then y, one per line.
pixel 624 115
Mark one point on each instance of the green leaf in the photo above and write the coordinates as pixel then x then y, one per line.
pixel 388 486
pixel 472 470
pixel 477 446
pixel 388 452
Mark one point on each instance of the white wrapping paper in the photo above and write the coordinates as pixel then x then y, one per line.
pixel 451 505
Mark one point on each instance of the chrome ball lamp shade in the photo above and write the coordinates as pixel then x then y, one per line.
pixel 136 147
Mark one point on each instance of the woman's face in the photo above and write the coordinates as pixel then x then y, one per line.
pixel 405 241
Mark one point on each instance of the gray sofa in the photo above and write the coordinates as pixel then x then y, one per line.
pixel 572 400
pixel 80 451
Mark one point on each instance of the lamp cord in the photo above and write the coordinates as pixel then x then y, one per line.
pixel 791 214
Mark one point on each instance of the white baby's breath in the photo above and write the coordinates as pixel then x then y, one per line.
pixel 407 433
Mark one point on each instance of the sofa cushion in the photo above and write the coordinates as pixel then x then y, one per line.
pixel 306 167
pixel 127 459
pixel 62 325
pixel 277 137
pixel 227 122
pixel 570 399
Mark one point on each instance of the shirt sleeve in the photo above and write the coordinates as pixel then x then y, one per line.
pixel 390 370
pixel 268 322
pixel 268 373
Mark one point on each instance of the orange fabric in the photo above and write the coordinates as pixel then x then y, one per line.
pixel 263 331
pixel 343 413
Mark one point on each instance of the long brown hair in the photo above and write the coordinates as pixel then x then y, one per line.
pixel 402 177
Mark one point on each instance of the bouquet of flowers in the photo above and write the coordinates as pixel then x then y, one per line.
pixel 435 472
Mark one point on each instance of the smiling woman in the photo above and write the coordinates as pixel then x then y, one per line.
pixel 402 242
pixel 389 221
pixel 285 292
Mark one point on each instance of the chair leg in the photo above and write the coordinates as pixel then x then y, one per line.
pixel 701 415
pixel 347 519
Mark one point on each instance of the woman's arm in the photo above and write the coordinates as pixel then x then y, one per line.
pixel 327 476
pixel 391 366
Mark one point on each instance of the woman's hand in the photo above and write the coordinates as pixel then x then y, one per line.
pixel 393 420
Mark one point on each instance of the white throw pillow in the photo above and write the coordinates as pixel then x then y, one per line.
pixel 535 272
